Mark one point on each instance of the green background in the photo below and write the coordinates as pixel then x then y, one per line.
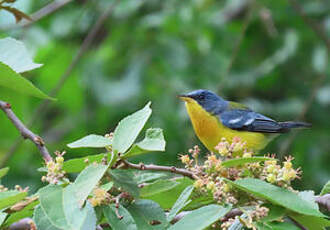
pixel 260 53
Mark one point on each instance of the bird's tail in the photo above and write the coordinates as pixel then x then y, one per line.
pixel 294 124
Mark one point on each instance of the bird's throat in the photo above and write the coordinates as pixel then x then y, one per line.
pixel 206 126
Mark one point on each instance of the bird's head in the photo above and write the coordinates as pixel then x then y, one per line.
pixel 205 98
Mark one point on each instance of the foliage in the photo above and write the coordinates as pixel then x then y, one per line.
pixel 263 54
pixel 107 186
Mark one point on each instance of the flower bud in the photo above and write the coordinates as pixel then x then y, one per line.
pixel 271 178
pixel 185 159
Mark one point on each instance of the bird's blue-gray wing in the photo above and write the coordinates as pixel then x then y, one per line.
pixel 248 120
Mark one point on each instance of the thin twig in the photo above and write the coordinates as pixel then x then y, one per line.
pixel 171 169
pixel 43 12
pixel 232 214
pixel 317 28
pixel 25 132
pixel 44 105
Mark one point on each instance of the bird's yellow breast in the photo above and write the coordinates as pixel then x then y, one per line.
pixel 210 130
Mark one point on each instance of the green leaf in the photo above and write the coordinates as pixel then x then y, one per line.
pixel 125 179
pixel 129 128
pixel 275 213
pixel 87 180
pixel 41 220
pixel 61 209
pixel 127 222
pixel 276 195
pixel 12 80
pixel 325 189
pixel 180 203
pixel 201 218
pixel 51 202
pixel 158 186
pixel 277 226
pixel 148 176
pixel 91 141
pixel 311 222
pixel 107 186
pixel 153 141
pixel 199 201
pixel 3 216
pixel 78 164
pixel 242 161
pixel 167 198
pixel 14 54
pixel 146 213
pixel 4 171
pixel 8 198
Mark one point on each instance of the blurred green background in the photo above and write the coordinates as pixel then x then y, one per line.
pixel 261 53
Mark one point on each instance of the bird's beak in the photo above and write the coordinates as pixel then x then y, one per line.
pixel 184 97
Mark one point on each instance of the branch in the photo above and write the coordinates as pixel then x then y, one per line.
pixel 171 169
pixel 324 201
pixel 43 12
pixel 318 30
pixel 92 34
pixel 25 132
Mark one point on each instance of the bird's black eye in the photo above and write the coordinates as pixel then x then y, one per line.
pixel 201 96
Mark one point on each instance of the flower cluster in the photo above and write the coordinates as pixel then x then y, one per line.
pixel 211 173
pixel 55 173
pixel 281 176
pixel 100 196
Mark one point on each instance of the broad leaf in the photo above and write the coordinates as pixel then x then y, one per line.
pixel 61 209
pixel 129 128
pixel 3 216
pixel 148 215
pixel 167 198
pixel 127 222
pixel 201 218
pixel 78 164
pixel 242 161
pixel 42 221
pixel 148 176
pixel 275 213
pixel 8 198
pixel 14 54
pixel 325 189
pixel 107 186
pixel 153 141
pixel 12 80
pixel 158 186
pixel 4 171
pixel 180 203
pixel 91 141
pixel 125 179
pixel 311 222
pixel 276 195
pixel 87 180
pixel 277 226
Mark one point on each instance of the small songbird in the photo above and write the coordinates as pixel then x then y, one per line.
pixel 214 118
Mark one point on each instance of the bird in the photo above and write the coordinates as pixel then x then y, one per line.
pixel 214 118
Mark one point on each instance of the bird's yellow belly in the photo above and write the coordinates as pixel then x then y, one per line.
pixel 210 131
